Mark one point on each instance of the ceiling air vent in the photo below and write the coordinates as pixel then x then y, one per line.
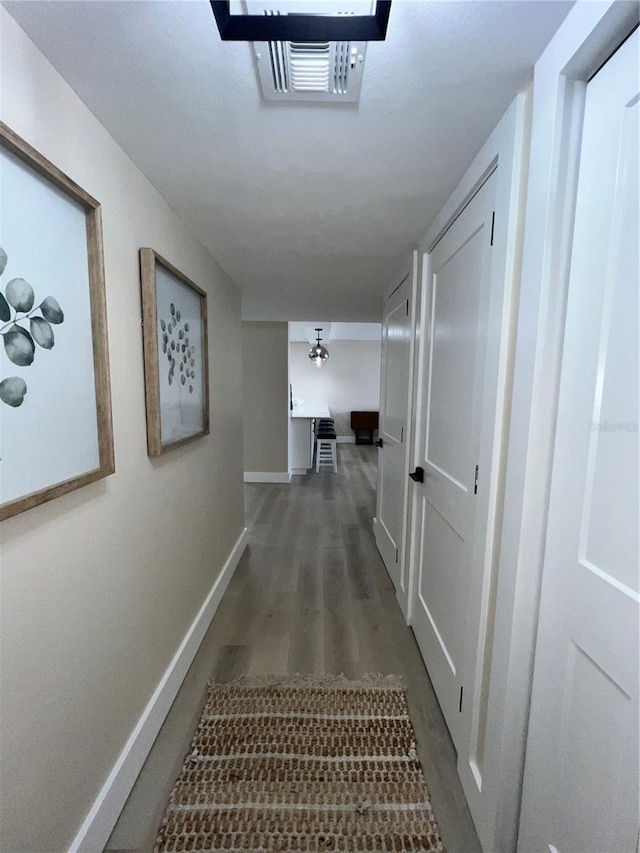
pixel 326 72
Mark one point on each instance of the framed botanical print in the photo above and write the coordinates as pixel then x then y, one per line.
pixel 174 314
pixel 55 402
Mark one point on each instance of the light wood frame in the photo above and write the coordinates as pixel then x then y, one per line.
pixel 17 146
pixel 149 259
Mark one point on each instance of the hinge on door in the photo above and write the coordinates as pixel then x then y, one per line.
pixel 407 307
pixel 401 434
pixel 460 703
pixel 493 225
pixel 396 555
pixel 475 482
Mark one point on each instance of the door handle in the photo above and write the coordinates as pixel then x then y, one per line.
pixel 418 475
pixel 379 442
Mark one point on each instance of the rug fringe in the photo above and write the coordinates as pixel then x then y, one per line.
pixel 368 680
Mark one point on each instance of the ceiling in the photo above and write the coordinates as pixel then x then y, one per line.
pixel 311 209
pixel 306 332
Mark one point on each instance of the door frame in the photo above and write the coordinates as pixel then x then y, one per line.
pixel 583 42
pixel 408 269
pixel 507 150
pixel 588 623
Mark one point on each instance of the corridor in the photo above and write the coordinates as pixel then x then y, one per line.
pixel 310 595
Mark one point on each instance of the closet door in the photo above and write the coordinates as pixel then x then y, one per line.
pixel 452 506
pixel 581 776
pixel 395 390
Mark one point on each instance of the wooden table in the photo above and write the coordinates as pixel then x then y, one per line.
pixel 364 422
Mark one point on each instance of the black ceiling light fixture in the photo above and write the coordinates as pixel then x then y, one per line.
pixel 318 354
pixel 301 27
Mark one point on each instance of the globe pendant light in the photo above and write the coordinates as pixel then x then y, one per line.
pixel 318 354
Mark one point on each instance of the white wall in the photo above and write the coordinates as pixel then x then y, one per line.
pixel 100 586
pixel 266 400
pixel 349 380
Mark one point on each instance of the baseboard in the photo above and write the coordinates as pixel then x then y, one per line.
pixel 267 477
pixel 98 824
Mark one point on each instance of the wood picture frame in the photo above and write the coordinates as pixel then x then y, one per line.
pixel 59 437
pixel 176 347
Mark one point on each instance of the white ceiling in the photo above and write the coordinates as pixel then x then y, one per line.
pixel 306 332
pixel 311 209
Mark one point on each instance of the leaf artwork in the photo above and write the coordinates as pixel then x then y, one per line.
pixel 180 353
pixel 20 294
pixel 12 391
pixel 17 307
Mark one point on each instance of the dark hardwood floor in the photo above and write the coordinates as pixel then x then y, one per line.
pixel 310 595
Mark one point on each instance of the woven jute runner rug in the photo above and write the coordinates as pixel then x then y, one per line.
pixel 302 764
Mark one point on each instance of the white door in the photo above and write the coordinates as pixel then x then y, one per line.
pixel 395 390
pixel 453 450
pixel 581 774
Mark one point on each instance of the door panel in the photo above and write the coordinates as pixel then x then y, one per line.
pixel 389 517
pixel 396 391
pixel 459 281
pixel 609 528
pixel 454 334
pixel 395 387
pixel 439 588
pixel 581 777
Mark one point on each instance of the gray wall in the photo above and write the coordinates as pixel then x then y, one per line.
pixel 100 586
pixel 265 349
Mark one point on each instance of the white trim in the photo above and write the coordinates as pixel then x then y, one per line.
pixel 268 476
pixel 484 165
pixel 403 591
pixel 99 822
pixel 396 283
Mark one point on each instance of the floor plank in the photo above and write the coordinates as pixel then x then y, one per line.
pixel 310 594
